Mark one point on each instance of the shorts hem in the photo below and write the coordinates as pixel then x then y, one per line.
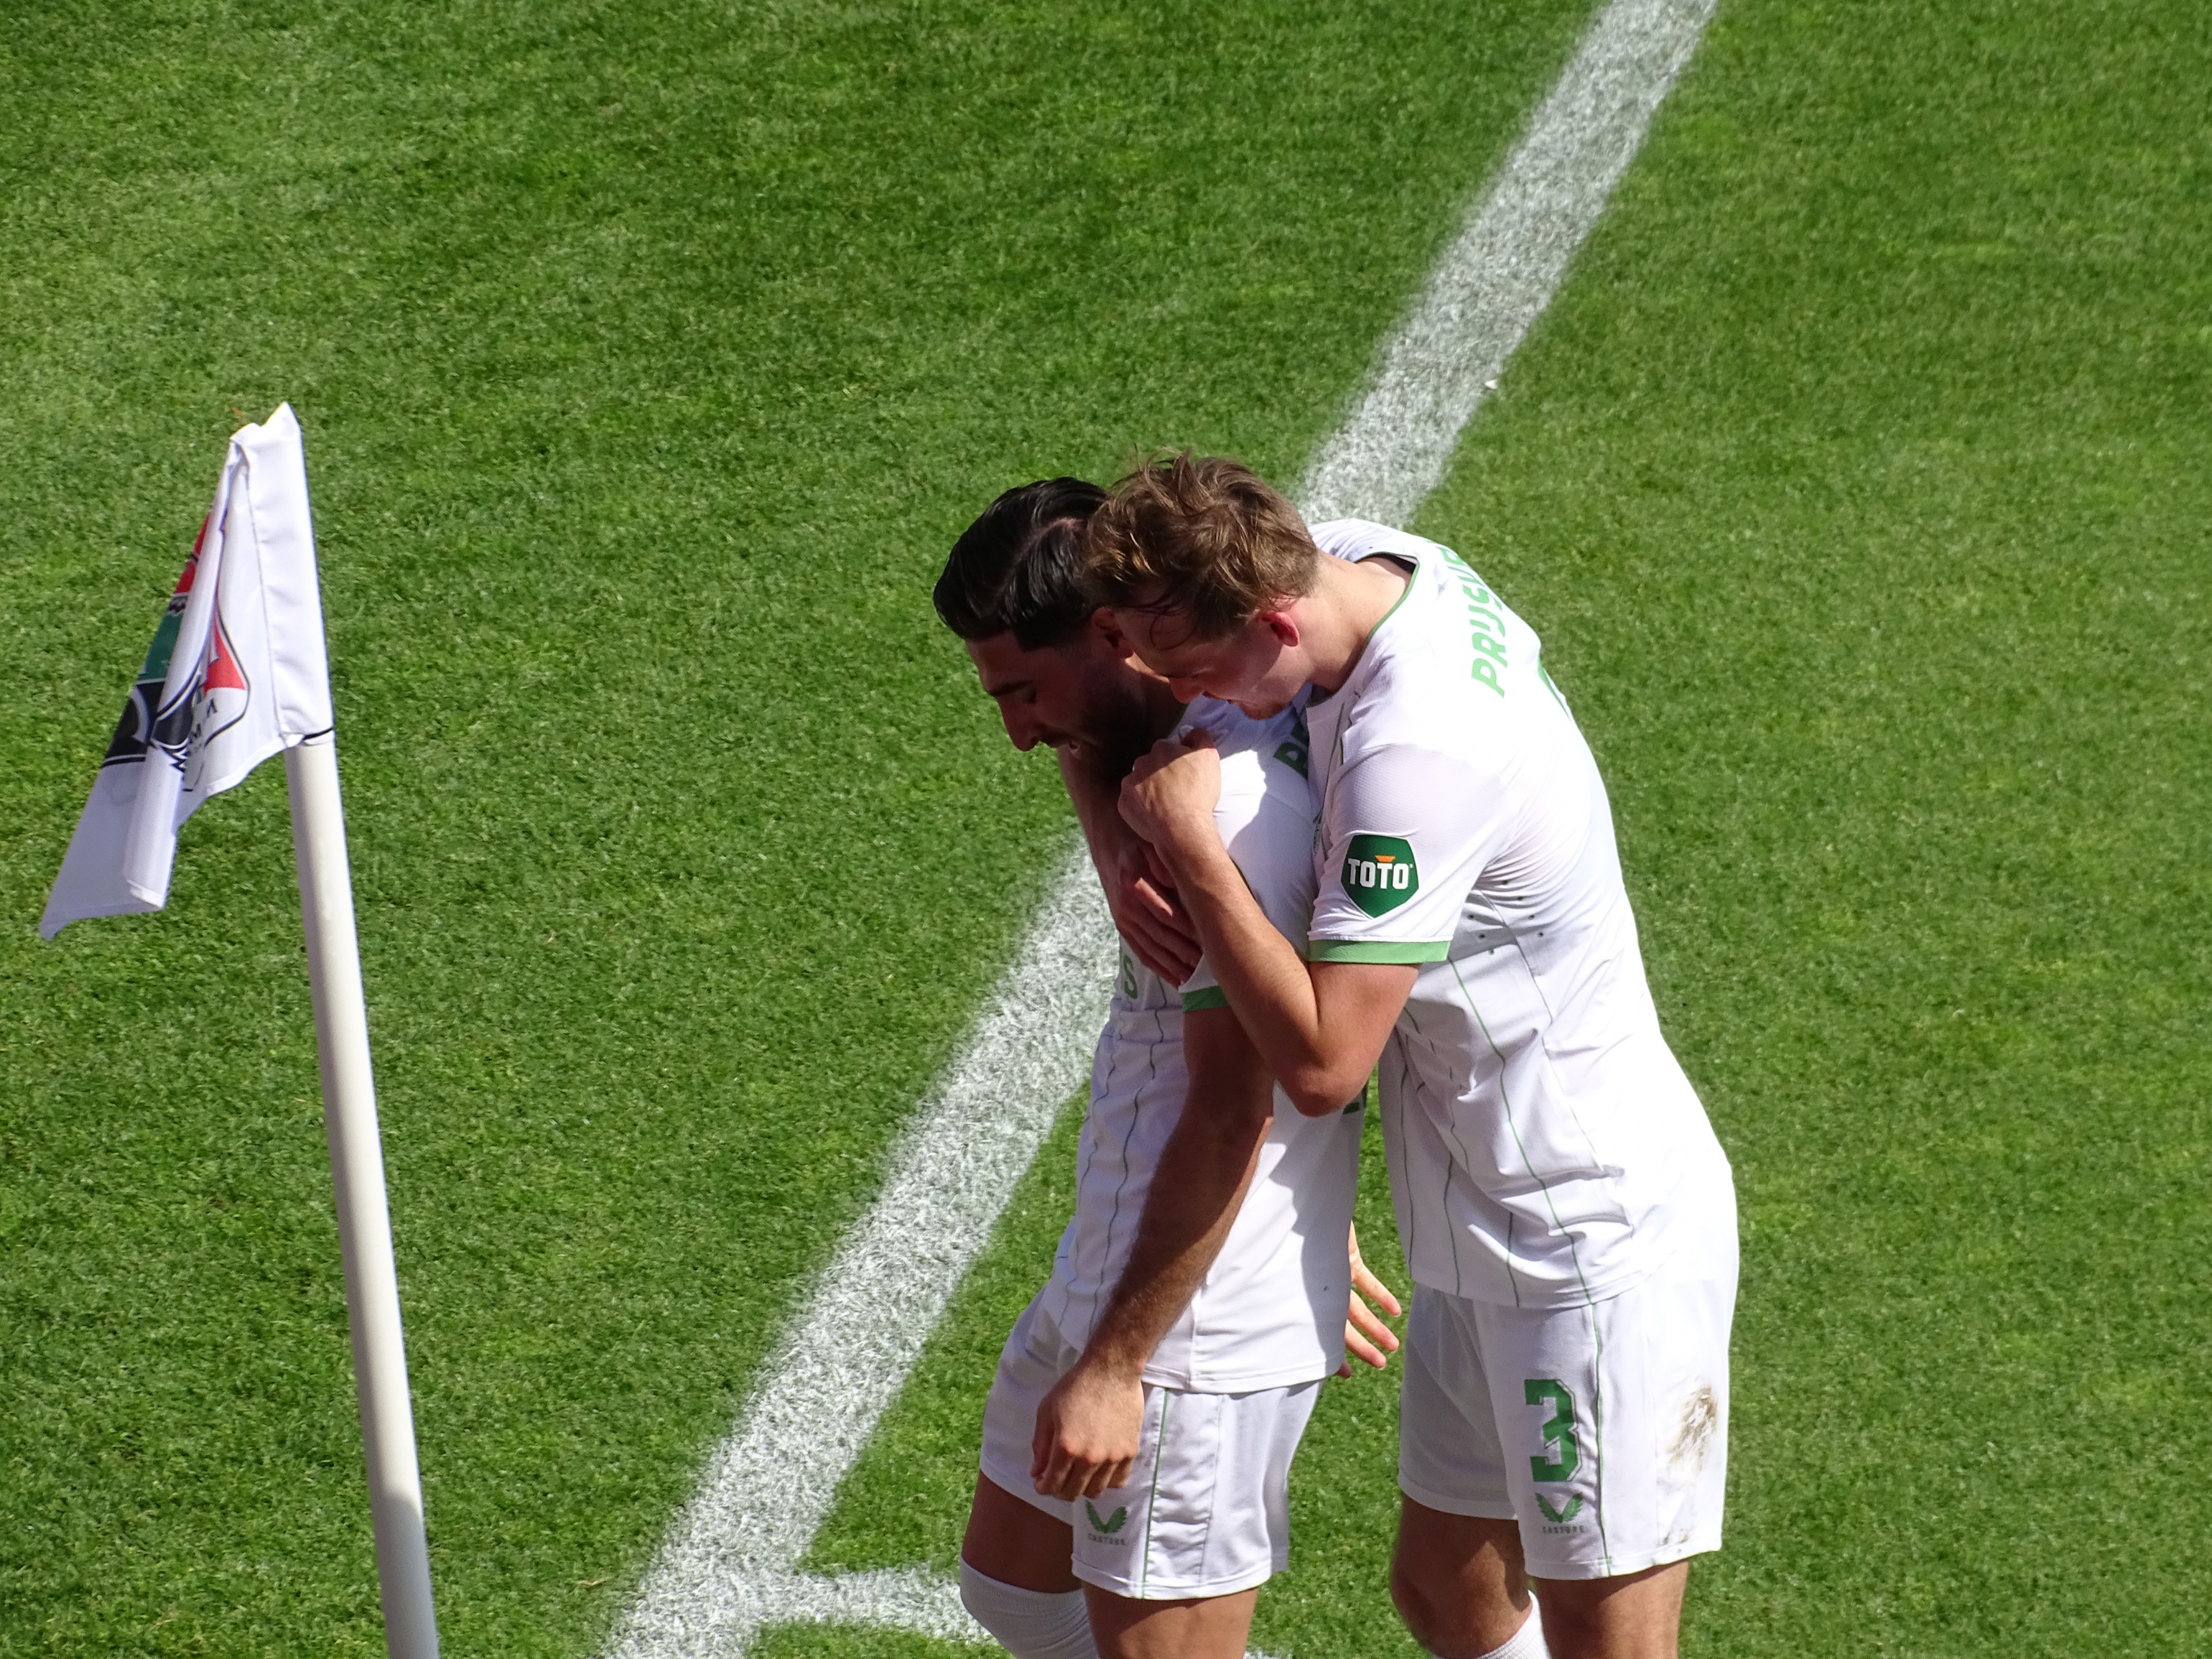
pixel 1557 1298
pixel 1060 1509
pixel 1481 1508
pixel 1621 1566
pixel 1154 1590
pixel 1259 1382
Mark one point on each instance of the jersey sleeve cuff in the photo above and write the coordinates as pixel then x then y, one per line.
pixel 1212 996
pixel 1393 951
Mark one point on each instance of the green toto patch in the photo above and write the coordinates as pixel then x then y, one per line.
pixel 1380 873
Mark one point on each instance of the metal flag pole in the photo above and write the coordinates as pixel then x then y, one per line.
pixel 379 1357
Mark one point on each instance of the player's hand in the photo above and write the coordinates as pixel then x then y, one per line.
pixel 1147 913
pixel 1170 794
pixel 1087 1430
pixel 1366 1337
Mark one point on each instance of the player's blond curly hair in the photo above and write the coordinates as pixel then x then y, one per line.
pixel 1198 536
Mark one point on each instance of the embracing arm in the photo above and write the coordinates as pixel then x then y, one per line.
pixel 1087 1427
pixel 1320 1028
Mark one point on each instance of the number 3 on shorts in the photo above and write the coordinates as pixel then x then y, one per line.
pixel 1558 1428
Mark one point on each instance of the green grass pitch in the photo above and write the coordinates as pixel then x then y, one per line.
pixel 1858 480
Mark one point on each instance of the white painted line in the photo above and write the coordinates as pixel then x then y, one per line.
pixel 729 1566
pixel 1496 279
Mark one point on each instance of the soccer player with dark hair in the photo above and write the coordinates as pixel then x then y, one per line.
pixel 1139 1434
pixel 1567 1213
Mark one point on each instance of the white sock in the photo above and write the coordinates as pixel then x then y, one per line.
pixel 1037 1624
pixel 1527 1643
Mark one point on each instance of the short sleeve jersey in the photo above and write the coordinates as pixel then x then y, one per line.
pixel 1270 1311
pixel 1543 1140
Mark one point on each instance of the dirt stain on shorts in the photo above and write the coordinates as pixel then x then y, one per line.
pixel 1693 1433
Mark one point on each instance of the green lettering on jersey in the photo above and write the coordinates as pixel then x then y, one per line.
pixel 1379 872
pixel 1481 621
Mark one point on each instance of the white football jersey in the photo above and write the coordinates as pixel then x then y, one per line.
pixel 1543 1141
pixel 1270 1310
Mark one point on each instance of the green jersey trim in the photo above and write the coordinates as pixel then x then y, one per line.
pixel 1211 997
pixel 1412 576
pixel 1393 951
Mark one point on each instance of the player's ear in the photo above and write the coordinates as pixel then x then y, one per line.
pixel 1283 624
pixel 1111 634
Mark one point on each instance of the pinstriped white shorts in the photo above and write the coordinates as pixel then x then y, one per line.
pixel 1207 1511
pixel 1602 1429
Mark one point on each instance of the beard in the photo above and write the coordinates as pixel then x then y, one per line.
pixel 1120 723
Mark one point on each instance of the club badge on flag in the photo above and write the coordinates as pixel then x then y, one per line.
pixel 236 673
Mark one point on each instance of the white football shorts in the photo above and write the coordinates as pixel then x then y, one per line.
pixel 1602 1429
pixel 1207 1511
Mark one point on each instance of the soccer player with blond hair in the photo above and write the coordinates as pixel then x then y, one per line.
pixel 1567 1213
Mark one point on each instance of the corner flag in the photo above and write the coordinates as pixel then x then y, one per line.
pixel 237 672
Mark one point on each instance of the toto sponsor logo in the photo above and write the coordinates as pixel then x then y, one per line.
pixel 1379 872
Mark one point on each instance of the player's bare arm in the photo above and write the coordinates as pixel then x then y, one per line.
pixel 1087 1426
pixel 1148 918
pixel 1319 1027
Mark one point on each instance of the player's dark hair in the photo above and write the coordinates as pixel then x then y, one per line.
pixel 1017 569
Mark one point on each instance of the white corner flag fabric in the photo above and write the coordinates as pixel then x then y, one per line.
pixel 236 673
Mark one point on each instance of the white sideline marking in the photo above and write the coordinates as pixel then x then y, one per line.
pixel 729 1566
pixel 1495 280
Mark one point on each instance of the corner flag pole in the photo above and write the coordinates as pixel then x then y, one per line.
pixel 238 671
pixel 379 1359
